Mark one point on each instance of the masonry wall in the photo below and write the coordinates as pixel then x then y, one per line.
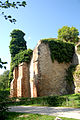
pixel 20 86
pixel 34 72
pixel 13 89
pixel 42 77
pixel 47 76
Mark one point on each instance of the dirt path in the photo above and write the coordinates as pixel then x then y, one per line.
pixel 53 111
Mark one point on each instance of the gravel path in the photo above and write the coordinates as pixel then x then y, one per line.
pixel 53 111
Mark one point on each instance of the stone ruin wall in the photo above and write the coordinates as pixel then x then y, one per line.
pixel 20 86
pixel 76 61
pixel 46 77
pixel 41 77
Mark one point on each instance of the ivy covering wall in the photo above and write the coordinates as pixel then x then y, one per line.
pixel 18 50
pixel 24 56
pixel 60 51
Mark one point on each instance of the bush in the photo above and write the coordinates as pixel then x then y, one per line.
pixel 55 100
pixel 3 104
pixel 46 100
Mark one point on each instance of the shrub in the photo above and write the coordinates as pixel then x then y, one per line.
pixel 3 104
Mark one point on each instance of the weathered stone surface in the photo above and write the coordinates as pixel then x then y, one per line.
pixel 76 57
pixel 34 72
pixel 77 79
pixel 41 77
pixel 20 86
pixel 50 74
pixel 13 89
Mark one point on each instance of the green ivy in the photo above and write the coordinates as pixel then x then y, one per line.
pixel 60 51
pixel 24 56
pixel 70 72
pixel 78 49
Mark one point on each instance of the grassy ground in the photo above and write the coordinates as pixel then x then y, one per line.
pixel 72 100
pixel 24 116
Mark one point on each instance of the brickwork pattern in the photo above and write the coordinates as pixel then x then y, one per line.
pixel 20 86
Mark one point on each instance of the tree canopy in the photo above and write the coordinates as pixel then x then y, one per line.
pixel 7 4
pixel 2 64
pixel 17 43
pixel 4 80
pixel 68 34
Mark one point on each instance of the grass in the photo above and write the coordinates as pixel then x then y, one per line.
pixel 24 116
pixel 72 100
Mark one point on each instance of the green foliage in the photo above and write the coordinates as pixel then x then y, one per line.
pixel 68 34
pixel 7 4
pixel 60 51
pixel 18 50
pixel 46 100
pixel 23 56
pixel 27 116
pixel 17 44
pixel 71 100
pixel 11 73
pixel 70 72
pixel 3 104
pixel 2 64
pixel 78 49
pixel 4 80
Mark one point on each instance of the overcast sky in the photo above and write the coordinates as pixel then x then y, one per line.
pixel 39 19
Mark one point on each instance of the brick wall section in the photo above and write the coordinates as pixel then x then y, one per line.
pixel 23 87
pixel 19 80
pixel 20 86
pixel 13 89
pixel 25 81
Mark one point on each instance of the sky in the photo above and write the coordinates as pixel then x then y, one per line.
pixel 39 19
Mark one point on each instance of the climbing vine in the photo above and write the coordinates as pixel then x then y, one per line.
pixel 23 56
pixel 70 73
pixel 18 50
pixel 60 51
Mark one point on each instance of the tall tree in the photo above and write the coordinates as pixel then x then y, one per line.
pixel 17 43
pixel 68 34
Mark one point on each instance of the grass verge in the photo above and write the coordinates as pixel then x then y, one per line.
pixel 72 100
pixel 24 116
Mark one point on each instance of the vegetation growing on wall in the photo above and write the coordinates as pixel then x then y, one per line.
pixel 24 56
pixel 60 51
pixel 17 43
pixel 70 73
pixel 78 49
pixel 18 50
